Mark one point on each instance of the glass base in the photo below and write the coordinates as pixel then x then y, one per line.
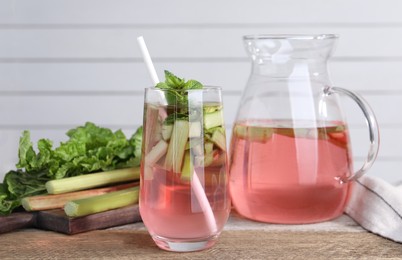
pixel 184 245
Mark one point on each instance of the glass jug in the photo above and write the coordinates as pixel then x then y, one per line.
pixel 290 151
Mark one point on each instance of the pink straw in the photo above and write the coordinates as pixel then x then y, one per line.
pixel 196 185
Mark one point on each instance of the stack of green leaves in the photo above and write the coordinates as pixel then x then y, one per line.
pixel 89 149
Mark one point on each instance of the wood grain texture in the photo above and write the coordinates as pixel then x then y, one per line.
pixel 16 221
pixel 340 238
pixel 134 244
pixel 56 220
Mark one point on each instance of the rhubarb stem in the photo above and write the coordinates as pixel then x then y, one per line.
pixel 55 201
pixel 101 203
pixel 92 180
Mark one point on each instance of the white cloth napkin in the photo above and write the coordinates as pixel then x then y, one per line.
pixel 377 206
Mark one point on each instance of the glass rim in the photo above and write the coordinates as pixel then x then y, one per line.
pixel 290 36
pixel 205 88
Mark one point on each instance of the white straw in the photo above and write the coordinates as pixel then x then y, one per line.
pixel 204 203
pixel 195 183
pixel 148 60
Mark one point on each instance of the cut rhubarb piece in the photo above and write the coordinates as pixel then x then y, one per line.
pixel 153 157
pixel 177 146
pixel 212 120
pixel 195 129
pixel 188 167
pixel 219 159
pixel 210 108
pixel 148 173
pixel 211 158
pixel 219 139
pixel 208 146
pixel 316 133
pixel 339 137
pixel 294 132
pixel 166 131
pixel 253 133
pixel 208 159
pixel 152 127
pixel 158 132
pixel 214 158
pixel 195 145
pixel 156 153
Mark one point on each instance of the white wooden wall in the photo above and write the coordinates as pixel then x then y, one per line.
pixel 64 62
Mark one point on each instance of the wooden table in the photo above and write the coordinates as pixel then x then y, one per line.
pixel 341 238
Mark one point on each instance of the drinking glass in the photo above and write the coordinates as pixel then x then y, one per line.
pixel 184 198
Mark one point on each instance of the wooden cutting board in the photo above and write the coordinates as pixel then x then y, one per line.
pixel 56 220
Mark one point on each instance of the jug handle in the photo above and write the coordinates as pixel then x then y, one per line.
pixel 374 134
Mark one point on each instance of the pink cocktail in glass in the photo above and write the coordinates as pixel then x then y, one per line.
pixel 184 199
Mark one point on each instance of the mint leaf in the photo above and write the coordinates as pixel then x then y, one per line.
pixel 173 81
pixel 193 84
pixel 162 85
pixel 174 97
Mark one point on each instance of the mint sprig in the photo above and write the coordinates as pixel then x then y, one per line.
pixel 176 94
pixel 173 82
pixel 176 88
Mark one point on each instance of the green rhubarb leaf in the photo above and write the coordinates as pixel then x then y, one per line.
pixel 45 153
pixel 90 148
pixel 26 153
pixel 136 142
pixel 7 204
